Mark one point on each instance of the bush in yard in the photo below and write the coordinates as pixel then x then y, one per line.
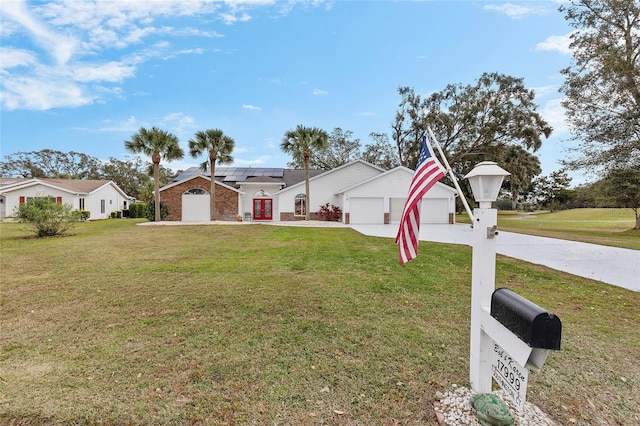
pixel 151 211
pixel 137 210
pixel 330 213
pixel 84 214
pixel 47 217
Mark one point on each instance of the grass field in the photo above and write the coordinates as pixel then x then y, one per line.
pixel 121 324
pixel 610 227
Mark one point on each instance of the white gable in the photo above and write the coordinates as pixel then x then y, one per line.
pixel 180 182
pixel 394 184
pixel 323 188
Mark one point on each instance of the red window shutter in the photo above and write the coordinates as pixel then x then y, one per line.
pixel 59 200
pixel 21 200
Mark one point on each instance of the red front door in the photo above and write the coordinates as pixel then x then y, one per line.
pixel 262 209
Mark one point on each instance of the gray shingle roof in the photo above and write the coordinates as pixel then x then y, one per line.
pixel 73 185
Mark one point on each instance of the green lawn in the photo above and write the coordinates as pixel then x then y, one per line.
pixel 264 325
pixel 610 227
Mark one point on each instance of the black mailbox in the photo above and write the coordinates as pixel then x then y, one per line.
pixel 532 324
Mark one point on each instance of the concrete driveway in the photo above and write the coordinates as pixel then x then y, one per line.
pixel 617 266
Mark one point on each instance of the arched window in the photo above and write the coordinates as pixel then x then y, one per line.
pixel 195 191
pixel 262 193
pixel 300 207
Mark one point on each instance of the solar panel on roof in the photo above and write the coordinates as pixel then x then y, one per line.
pixel 233 174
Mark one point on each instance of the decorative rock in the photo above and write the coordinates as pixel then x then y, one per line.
pixel 455 409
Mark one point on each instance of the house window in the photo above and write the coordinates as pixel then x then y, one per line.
pixel 262 193
pixel 300 205
pixel 51 199
pixel 80 203
pixel 102 206
pixel 195 191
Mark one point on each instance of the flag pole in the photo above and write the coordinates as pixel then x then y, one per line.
pixel 453 177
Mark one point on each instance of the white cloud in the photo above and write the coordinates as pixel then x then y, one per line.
pixel 258 161
pixel 320 92
pixel 175 122
pixel 543 91
pixel 172 55
pixel 136 35
pixel 189 32
pixel 116 91
pixel 556 43
pixel 251 107
pixel 87 41
pixel 272 143
pixel 10 58
pixel 61 46
pixel 554 114
pixel 240 150
pixel 231 18
pixel 41 94
pixel 366 114
pixel 238 3
pixel 131 125
pixel 111 71
pixel 518 10
pixel 179 121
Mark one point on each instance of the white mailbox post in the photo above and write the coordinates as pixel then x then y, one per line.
pixel 519 333
pixel 485 179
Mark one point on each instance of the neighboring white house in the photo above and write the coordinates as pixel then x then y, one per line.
pixel 99 197
pixel 365 193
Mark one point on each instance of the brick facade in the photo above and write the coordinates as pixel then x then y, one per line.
pixel 226 199
pixel 289 217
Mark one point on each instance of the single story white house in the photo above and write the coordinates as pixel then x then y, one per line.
pixel 364 192
pixel 99 197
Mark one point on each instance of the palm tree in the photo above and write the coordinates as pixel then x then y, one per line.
pixel 158 144
pixel 299 143
pixel 219 146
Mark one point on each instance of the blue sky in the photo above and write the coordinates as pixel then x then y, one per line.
pixel 85 75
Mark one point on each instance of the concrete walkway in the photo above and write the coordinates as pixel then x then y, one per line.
pixel 611 265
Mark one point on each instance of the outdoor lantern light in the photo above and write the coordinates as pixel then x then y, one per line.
pixel 486 179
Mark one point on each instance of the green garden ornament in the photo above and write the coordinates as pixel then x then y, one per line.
pixel 491 410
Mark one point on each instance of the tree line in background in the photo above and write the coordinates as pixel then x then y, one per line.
pixel 494 119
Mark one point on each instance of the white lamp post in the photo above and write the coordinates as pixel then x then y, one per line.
pixel 485 179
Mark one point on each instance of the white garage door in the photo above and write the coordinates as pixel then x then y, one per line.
pixel 433 210
pixel 195 207
pixel 366 210
pixel 396 207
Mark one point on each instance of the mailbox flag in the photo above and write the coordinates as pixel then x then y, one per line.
pixel 428 172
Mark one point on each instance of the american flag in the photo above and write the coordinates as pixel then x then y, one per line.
pixel 428 172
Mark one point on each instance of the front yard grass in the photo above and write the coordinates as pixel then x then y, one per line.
pixel 609 227
pixel 254 324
